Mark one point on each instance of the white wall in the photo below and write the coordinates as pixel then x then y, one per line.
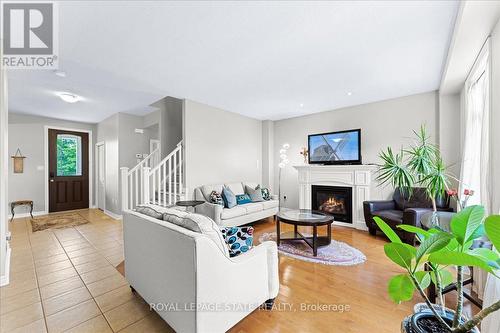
pixel 107 132
pixel 28 134
pixel 4 160
pixel 220 146
pixel 383 124
pixel 169 117
pixel 449 132
pixel 131 143
pixel 268 154
pixel 171 123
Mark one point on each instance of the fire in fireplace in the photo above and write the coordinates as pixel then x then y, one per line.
pixel 334 200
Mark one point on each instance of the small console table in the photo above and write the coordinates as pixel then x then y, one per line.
pixel 15 204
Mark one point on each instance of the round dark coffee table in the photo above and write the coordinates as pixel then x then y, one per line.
pixel 189 203
pixel 307 218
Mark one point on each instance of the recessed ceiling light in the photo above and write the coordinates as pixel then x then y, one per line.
pixel 60 73
pixel 301 105
pixel 349 93
pixel 69 97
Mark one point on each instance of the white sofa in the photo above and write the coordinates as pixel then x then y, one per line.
pixel 239 215
pixel 171 266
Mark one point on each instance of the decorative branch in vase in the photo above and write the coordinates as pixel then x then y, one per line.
pixel 305 153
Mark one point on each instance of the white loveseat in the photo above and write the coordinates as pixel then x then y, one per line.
pixel 192 284
pixel 239 215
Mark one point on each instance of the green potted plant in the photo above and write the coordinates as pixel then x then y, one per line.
pixel 419 165
pixel 422 165
pixel 438 251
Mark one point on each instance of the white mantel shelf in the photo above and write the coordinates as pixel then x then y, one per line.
pixel 358 177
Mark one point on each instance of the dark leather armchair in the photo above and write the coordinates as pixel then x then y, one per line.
pixel 402 209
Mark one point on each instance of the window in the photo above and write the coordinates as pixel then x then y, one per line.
pixel 476 136
pixel 69 155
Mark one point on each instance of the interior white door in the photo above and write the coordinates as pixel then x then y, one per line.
pixel 101 177
pixel 155 144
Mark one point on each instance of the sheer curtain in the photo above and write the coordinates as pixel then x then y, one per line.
pixel 475 171
pixel 475 157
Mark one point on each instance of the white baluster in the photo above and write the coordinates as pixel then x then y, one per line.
pixel 124 174
pixel 169 181
pixel 158 187
pixel 164 169
pixel 175 177
pixel 145 185
pixel 136 187
pixel 180 169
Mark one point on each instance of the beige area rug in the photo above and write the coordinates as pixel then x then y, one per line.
pixel 57 221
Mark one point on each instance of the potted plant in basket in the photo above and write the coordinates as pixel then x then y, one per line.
pixel 440 250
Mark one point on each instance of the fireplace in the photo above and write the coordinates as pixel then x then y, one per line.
pixel 334 200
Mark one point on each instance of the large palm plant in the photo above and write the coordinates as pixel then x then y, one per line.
pixel 420 164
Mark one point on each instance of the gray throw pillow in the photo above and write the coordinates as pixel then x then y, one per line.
pixel 149 212
pixel 255 194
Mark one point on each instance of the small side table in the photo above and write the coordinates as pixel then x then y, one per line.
pixel 189 203
pixel 15 204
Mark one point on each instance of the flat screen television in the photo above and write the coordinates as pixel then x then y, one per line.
pixel 343 147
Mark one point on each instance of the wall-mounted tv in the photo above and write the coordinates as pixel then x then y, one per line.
pixel 343 147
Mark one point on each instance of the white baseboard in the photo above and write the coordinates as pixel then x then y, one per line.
pixel 22 215
pixel 112 215
pixel 4 279
pixel 361 226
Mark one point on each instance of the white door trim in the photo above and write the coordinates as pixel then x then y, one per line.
pixel 46 161
pixel 96 154
pixel 152 142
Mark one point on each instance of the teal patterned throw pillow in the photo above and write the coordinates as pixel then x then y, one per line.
pixel 265 193
pixel 238 239
pixel 242 199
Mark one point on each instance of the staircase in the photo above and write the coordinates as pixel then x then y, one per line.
pixel 158 183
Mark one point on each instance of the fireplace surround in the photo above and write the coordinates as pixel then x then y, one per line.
pixel 359 178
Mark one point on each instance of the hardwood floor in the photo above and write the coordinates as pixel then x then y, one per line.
pixel 55 264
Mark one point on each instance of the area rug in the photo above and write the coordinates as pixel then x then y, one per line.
pixel 337 253
pixel 57 221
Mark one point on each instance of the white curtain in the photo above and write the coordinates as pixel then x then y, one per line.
pixel 475 171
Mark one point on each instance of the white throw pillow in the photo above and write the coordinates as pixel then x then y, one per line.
pixel 206 190
pixel 236 188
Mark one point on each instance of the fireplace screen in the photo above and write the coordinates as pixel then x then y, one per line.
pixel 334 200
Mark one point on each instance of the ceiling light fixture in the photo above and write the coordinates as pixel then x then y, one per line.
pixel 349 93
pixel 301 105
pixel 69 97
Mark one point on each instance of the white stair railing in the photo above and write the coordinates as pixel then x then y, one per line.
pixel 165 181
pixel 132 180
pixel 159 184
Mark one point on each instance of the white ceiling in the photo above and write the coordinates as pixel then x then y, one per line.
pixel 475 21
pixel 260 59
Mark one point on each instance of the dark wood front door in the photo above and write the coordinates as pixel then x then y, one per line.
pixel 68 170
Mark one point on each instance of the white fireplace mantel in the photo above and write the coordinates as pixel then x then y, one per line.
pixel 358 177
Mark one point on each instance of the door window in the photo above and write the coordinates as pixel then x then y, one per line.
pixel 69 155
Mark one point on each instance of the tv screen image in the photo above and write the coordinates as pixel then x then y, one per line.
pixel 335 148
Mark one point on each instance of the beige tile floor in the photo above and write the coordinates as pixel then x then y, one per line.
pixel 64 280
